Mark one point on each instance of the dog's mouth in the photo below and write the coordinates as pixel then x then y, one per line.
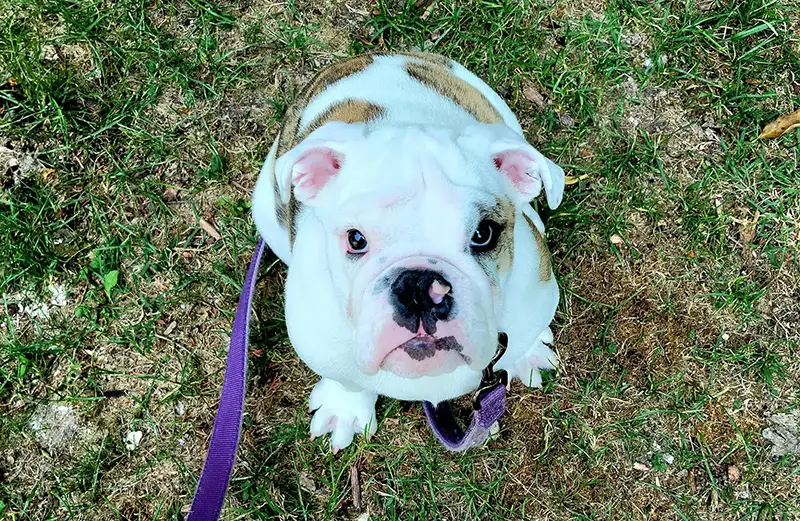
pixel 425 355
pixel 425 346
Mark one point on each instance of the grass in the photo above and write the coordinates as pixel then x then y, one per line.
pixel 678 328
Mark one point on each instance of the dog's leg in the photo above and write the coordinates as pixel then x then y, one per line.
pixel 537 358
pixel 342 412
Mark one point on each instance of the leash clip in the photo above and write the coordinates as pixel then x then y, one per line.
pixel 491 378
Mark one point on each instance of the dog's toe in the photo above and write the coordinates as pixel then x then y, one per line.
pixel 538 358
pixel 342 413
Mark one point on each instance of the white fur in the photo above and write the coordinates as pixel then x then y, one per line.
pixel 410 182
pixel 341 412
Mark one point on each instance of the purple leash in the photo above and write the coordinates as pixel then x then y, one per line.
pixel 218 467
pixel 488 404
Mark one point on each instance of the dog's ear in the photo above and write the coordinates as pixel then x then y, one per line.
pixel 521 165
pixel 528 170
pixel 309 166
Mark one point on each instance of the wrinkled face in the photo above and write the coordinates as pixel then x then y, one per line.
pixel 419 237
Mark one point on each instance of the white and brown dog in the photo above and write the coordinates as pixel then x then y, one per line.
pixel 398 192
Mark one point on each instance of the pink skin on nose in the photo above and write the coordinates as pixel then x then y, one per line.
pixel 438 291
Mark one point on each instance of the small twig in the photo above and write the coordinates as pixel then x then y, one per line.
pixel 356 485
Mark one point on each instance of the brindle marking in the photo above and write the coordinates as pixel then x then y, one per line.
pixel 545 266
pixel 441 79
pixel 504 251
pixel 323 79
pixel 347 111
pixel 433 59
pixel 501 257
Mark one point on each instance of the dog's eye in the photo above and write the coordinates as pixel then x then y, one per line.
pixel 485 236
pixel 356 242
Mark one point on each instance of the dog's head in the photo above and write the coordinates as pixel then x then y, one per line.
pixel 418 226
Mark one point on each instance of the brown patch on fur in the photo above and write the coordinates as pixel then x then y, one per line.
pixel 347 111
pixel 280 208
pixel 326 77
pixel 288 136
pixel 501 257
pixel 545 265
pixel 433 59
pixel 505 251
pixel 504 255
pixel 441 79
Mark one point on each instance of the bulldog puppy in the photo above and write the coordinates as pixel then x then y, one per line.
pixel 398 193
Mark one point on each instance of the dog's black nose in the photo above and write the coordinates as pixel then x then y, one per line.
pixel 421 295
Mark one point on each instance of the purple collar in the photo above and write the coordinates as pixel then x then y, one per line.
pixel 488 404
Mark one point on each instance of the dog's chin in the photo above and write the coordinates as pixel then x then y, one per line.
pixel 400 364
pixel 425 355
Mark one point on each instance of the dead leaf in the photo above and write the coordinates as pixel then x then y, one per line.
pixel 306 483
pixel 47 172
pixel 209 228
pixel 566 120
pixel 571 179
pixel 748 231
pixel 170 328
pixel 533 95
pixel 733 474
pixel 616 239
pixel 781 126
pixel 170 194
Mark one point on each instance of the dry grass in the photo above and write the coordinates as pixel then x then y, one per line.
pixel 678 344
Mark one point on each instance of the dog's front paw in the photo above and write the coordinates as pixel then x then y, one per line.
pixel 341 412
pixel 538 358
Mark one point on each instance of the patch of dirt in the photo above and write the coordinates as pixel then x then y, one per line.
pixel 77 57
pixel 577 10
pixel 646 320
pixel 783 433
pixel 17 164
pixel 659 112
pixel 54 426
pixel 169 110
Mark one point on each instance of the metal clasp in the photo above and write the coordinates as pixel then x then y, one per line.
pixel 491 378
